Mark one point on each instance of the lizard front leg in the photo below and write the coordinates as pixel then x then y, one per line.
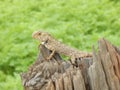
pixel 51 55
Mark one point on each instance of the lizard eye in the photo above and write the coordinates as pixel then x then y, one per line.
pixel 39 33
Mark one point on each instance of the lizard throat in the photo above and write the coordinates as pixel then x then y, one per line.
pixel 43 43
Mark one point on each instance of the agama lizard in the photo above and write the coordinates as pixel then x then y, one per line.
pixel 56 46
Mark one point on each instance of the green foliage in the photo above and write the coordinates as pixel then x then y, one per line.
pixel 78 23
pixel 9 82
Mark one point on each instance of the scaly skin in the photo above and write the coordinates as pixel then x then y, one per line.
pixel 56 46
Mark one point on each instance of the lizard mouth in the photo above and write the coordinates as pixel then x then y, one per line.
pixel 34 34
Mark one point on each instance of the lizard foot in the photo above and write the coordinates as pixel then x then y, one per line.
pixel 74 63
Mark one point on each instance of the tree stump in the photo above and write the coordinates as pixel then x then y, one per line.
pixel 100 72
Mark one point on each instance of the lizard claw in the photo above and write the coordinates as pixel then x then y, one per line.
pixel 74 63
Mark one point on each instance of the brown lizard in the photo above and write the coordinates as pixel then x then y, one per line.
pixel 56 46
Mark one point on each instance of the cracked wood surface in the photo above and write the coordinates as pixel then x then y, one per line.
pixel 100 72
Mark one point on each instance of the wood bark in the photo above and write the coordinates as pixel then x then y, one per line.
pixel 100 72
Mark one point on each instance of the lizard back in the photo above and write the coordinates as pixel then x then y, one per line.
pixel 53 44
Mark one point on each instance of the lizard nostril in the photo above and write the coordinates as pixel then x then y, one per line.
pixel 34 34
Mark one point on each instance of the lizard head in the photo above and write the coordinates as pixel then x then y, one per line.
pixel 41 36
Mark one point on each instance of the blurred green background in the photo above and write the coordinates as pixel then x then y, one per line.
pixel 77 23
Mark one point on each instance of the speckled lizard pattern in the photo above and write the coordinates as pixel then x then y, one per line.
pixel 56 46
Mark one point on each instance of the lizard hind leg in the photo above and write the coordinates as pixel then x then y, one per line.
pixel 73 61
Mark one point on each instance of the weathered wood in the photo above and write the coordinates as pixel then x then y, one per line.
pixel 109 64
pixel 78 81
pixel 100 72
pixel 96 74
